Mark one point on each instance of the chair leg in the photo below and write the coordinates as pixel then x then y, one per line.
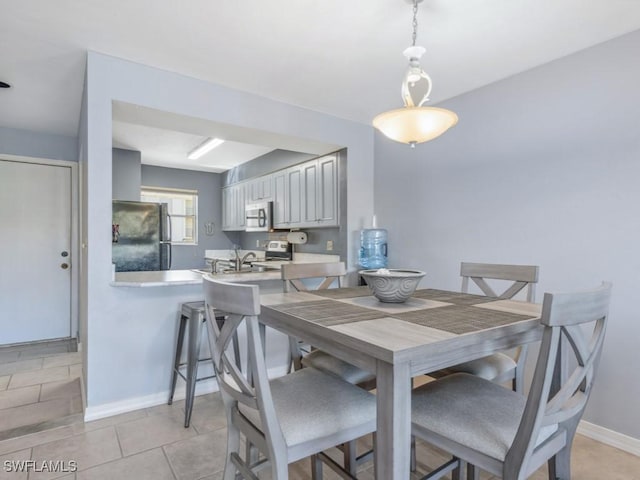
pixel 233 447
pixel 252 454
pixel 473 473
pixel 176 360
pixel 551 466
pixel 350 460
pixel 413 454
pixel 560 466
pixel 316 468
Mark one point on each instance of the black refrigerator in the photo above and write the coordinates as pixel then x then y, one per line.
pixel 140 236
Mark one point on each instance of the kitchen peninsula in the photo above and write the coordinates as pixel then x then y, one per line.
pixel 168 278
pixel 143 331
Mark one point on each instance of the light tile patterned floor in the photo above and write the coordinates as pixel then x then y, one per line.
pixel 153 444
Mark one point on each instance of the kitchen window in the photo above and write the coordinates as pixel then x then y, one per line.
pixel 183 208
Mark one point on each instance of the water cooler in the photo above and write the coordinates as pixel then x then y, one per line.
pixel 373 247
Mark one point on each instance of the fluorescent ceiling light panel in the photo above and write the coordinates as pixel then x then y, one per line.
pixel 205 147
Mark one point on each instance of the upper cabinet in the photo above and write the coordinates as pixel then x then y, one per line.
pixel 261 189
pixel 234 200
pixel 304 196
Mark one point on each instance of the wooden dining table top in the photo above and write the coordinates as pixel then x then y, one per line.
pixel 433 329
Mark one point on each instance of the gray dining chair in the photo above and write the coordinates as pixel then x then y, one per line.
pixel 321 276
pixel 325 275
pixel 499 367
pixel 287 418
pixel 492 428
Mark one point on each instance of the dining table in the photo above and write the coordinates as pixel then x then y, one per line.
pixel 433 329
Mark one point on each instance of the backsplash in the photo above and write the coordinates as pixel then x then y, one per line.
pixel 317 239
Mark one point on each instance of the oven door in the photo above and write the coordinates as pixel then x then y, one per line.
pixel 258 217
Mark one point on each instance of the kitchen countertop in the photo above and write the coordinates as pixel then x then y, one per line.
pixel 170 278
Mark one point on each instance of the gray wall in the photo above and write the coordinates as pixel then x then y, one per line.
pixel 208 186
pixel 269 162
pixel 36 144
pixel 542 169
pixel 126 360
pixel 126 174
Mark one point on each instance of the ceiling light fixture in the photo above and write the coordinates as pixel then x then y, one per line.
pixel 414 123
pixel 204 147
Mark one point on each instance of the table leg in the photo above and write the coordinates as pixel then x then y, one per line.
pixel 393 439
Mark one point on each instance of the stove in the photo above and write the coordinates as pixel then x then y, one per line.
pixel 278 250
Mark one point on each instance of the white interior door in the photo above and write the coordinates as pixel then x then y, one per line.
pixel 35 252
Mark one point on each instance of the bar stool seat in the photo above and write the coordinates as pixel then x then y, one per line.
pixel 193 320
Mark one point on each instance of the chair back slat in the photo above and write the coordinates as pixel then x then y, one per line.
pixel 564 309
pixel 522 276
pixel 556 398
pixel 294 273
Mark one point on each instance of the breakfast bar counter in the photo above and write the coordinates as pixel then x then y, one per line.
pixel 169 278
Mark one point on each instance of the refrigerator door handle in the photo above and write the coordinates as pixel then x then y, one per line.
pixel 169 228
pixel 170 255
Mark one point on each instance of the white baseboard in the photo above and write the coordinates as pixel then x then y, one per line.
pixel 123 406
pixel 610 437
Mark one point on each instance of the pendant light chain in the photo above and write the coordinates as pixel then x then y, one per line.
pixel 415 23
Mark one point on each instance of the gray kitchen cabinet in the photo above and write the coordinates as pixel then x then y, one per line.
pixel 234 199
pixel 279 199
pixel 288 193
pixel 261 189
pixel 306 195
pixel 327 191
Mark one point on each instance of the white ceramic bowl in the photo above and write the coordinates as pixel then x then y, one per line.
pixel 392 285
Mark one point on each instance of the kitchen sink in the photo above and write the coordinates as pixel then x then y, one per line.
pixel 245 270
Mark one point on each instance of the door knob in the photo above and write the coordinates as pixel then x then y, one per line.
pixel 64 266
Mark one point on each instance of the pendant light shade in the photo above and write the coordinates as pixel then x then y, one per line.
pixel 414 123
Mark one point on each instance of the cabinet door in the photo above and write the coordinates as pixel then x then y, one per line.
pixel 280 199
pixel 260 189
pixel 227 208
pixel 233 204
pixel 265 187
pixel 309 194
pixel 295 194
pixel 327 193
pixel 241 201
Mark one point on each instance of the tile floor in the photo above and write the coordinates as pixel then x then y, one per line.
pixel 153 444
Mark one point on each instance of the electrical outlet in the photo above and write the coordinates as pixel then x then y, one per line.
pixel 329 245
pixel 258 243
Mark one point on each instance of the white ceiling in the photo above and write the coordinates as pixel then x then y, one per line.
pixel 334 56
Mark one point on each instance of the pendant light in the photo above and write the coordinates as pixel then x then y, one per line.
pixel 414 123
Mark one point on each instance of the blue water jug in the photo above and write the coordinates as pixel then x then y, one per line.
pixel 373 248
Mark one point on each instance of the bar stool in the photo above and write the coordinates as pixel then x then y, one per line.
pixel 192 319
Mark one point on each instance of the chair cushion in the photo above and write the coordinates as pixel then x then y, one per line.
pixel 473 412
pixel 491 367
pixel 329 364
pixel 311 405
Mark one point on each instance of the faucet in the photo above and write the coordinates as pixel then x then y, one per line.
pixel 238 262
pixel 247 255
pixel 214 265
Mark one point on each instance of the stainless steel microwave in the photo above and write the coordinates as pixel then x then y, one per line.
pixel 258 217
